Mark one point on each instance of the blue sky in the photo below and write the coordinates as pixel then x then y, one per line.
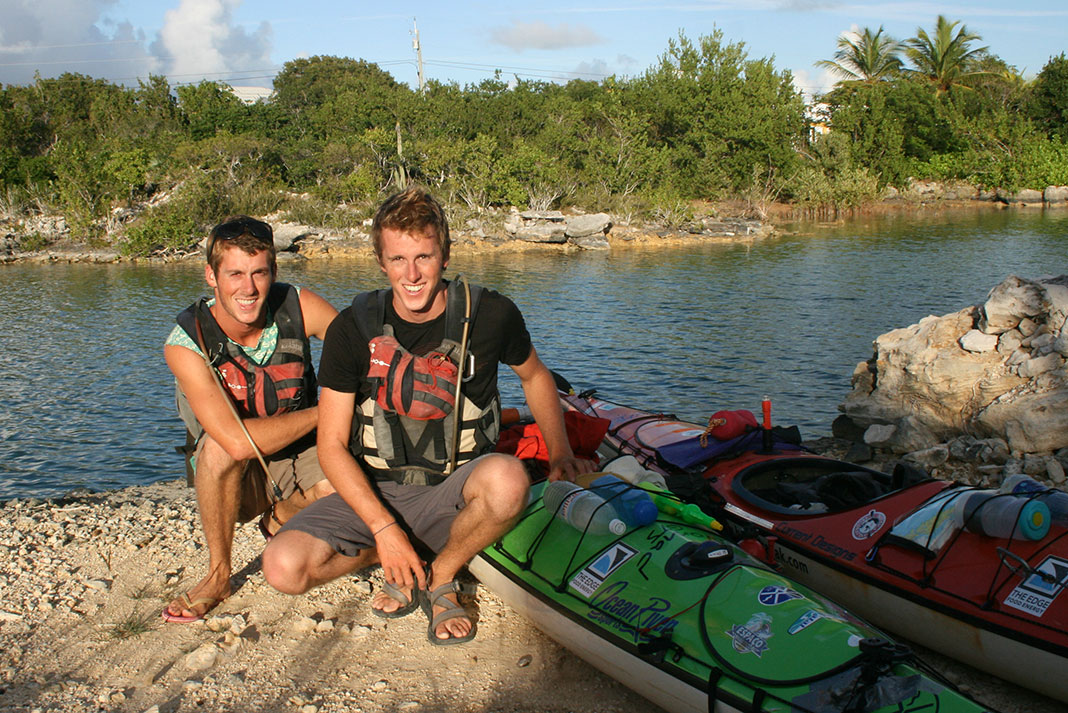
pixel 246 42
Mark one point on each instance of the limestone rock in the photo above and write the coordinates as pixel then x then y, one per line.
pixel 203 657
pixel 991 371
pixel 1040 365
pixel 551 215
pixel 879 433
pixel 1033 422
pixel 1055 194
pixel 976 341
pixel 542 233
pixel 285 234
pixel 1055 471
pixel 1024 196
pixel 918 371
pixel 591 242
pixel 582 225
pixel 928 458
pixel 1010 302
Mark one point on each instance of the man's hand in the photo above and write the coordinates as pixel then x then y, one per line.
pixel 401 565
pixel 569 468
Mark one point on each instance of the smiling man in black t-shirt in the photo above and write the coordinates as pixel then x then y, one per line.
pixel 409 478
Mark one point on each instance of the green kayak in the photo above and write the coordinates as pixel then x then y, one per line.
pixel 692 623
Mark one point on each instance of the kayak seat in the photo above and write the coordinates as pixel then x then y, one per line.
pixel 810 486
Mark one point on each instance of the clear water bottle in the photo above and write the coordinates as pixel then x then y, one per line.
pixel 634 505
pixel 1026 486
pixel 584 510
pixel 990 513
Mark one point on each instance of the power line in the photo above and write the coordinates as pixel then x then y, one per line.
pixel 78 44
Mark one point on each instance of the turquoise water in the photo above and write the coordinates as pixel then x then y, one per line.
pixel 87 400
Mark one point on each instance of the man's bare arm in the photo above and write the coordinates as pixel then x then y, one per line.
pixel 539 388
pixel 209 404
pixel 317 313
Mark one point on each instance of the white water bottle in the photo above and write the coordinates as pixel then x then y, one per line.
pixel 584 510
pixel 1026 486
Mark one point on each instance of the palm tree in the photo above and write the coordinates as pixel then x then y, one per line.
pixel 946 59
pixel 868 58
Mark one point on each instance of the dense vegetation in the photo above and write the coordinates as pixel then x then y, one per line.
pixel 706 122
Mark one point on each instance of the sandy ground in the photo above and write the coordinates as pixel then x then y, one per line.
pixel 86 577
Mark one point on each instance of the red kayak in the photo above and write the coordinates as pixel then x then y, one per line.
pixel 903 550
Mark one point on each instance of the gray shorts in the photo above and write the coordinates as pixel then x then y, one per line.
pixel 426 513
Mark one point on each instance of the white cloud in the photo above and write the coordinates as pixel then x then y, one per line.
pixel 521 36
pixel 812 84
pixel 56 36
pixel 199 39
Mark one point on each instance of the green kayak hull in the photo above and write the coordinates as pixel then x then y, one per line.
pixel 693 623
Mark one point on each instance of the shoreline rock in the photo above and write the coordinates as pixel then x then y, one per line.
pixel 518 230
pixel 988 381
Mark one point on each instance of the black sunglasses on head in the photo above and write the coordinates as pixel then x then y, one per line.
pixel 236 228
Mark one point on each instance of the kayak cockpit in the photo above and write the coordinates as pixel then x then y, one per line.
pixel 807 486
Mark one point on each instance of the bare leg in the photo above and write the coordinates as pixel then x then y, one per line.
pixel 495 494
pixel 295 561
pixel 218 486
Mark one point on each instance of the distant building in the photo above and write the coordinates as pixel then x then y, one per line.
pixel 251 95
pixel 816 116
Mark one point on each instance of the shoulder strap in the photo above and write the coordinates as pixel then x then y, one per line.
pixel 284 302
pixel 369 313
pixel 198 314
pixel 455 309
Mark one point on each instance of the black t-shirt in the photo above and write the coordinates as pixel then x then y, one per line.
pixel 498 335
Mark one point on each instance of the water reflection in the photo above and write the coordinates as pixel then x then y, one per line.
pixel 88 400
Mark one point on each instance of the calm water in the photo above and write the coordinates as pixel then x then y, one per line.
pixel 87 401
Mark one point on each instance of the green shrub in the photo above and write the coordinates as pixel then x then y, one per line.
pixel 169 227
pixel 32 242
pixel 312 210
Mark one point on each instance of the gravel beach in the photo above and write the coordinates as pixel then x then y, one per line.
pixel 85 577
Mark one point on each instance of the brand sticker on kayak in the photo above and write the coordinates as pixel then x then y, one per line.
pixel 775 594
pixel 1037 592
pixel 753 637
pixel 589 579
pixel 868 525
pixel 804 621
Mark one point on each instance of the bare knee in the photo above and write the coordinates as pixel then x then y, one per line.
pixel 501 482
pixel 286 565
pixel 214 462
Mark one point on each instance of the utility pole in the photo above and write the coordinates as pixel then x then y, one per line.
pixel 418 56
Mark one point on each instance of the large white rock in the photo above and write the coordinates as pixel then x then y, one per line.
pixel 971 372
pixel 976 341
pixel 1010 302
pixel 582 225
pixel 1055 194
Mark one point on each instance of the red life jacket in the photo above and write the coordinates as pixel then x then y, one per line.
pixel 419 387
pixel 402 432
pixel 285 383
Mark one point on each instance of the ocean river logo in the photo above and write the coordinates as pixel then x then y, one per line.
pixel 753 637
